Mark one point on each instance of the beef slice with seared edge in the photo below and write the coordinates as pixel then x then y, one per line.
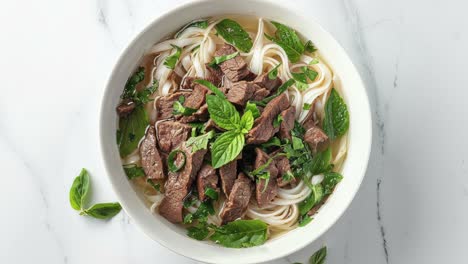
pixel 125 108
pixel 265 190
pixel 238 201
pixel 207 178
pixel 241 92
pixel 283 166
pixel 235 69
pixel 215 75
pixel 287 124
pixel 187 83
pixel 150 157
pixel 164 104
pixel 171 134
pixel 270 84
pixel 263 128
pixel 197 98
pixel 178 184
pixel 316 138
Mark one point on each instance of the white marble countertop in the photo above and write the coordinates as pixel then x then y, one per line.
pixel 412 208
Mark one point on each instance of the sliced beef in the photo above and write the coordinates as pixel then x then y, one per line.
pixel 171 134
pixel 315 137
pixel 265 82
pixel 263 128
pixel 227 85
pixel 125 108
pixel 164 104
pixel 266 190
pixel 200 115
pixel 260 94
pixel 207 178
pixel 311 119
pixel 215 75
pixel 250 77
pixel 236 68
pixel 150 158
pixel 287 124
pixel 238 200
pixel 241 92
pixel 197 98
pixel 228 174
pixel 283 166
pixel 178 184
pixel 187 83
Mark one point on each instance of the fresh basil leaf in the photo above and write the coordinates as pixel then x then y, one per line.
pixel 79 190
pixel 336 121
pixel 198 232
pixel 211 87
pixel 223 113
pixel 287 38
pixel 319 256
pixel 155 186
pixel 133 171
pixel 309 46
pixel 143 96
pixel 103 210
pixel 171 60
pixel 297 143
pixel 277 121
pixel 246 122
pixel 273 73
pixel 330 180
pixel 179 109
pixel 252 107
pixel 314 198
pixel 212 193
pixel 132 128
pixel 200 142
pixel 129 89
pixel 234 34
pixel 219 59
pixel 226 148
pixel 278 92
pixel 198 23
pixel 304 220
pixel 171 159
pixel 306 106
pixel 241 234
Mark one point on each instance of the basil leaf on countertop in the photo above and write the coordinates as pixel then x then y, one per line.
pixel 132 128
pixel 319 256
pixel 241 234
pixel 226 148
pixel 336 121
pixel 234 34
pixel 223 113
pixel 103 210
pixel 79 190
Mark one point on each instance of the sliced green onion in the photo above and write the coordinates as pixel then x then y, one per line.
pixel 171 160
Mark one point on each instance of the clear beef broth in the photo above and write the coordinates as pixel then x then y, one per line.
pixel 233 122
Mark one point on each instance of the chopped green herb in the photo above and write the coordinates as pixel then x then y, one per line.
pixel 273 73
pixel 306 106
pixel 304 220
pixel 218 60
pixel 155 186
pixel 330 180
pixel 179 109
pixel 188 218
pixel 142 97
pixel 200 142
pixel 212 193
pixel 277 121
pixel 234 34
pixel 309 46
pixel 336 121
pixel 212 87
pixel 297 143
pixel 314 61
pixel 301 77
pixel 314 198
pixel 171 159
pixel 133 171
pixel 171 60
pixel 272 142
pixel 130 85
pixel 280 90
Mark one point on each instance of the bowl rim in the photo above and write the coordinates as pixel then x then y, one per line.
pixel 102 115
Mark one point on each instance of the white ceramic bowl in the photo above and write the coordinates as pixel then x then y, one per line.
pixel 174 237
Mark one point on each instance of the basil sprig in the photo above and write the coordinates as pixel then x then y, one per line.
pixel 234 34
pixel 336 121
pixel 319 257
pixel 79 194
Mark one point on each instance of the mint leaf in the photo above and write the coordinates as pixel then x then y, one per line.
pixel 129 89
pixel 241 234
pixel 200 142
pixel 171 60
pixel 246 122
pixel 198 23
pixel 223 113
pixel 314 198
pixel 330 180
pixel 252 107
pixel 273 73
pixel 133 171
pixel 226 148
pixel 287 38
pixel 234 34
pixel 103 210
pixel 220 59
pixel 336 121
pixel 319 256
pixel 132 128
pixel 79 190
pixel 211 87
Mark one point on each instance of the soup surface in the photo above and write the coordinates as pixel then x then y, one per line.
pixel 233 127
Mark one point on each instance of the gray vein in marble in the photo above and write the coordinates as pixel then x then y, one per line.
pixel 101 7
pixel 380 222
pixel 395 78
pixel 356 27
